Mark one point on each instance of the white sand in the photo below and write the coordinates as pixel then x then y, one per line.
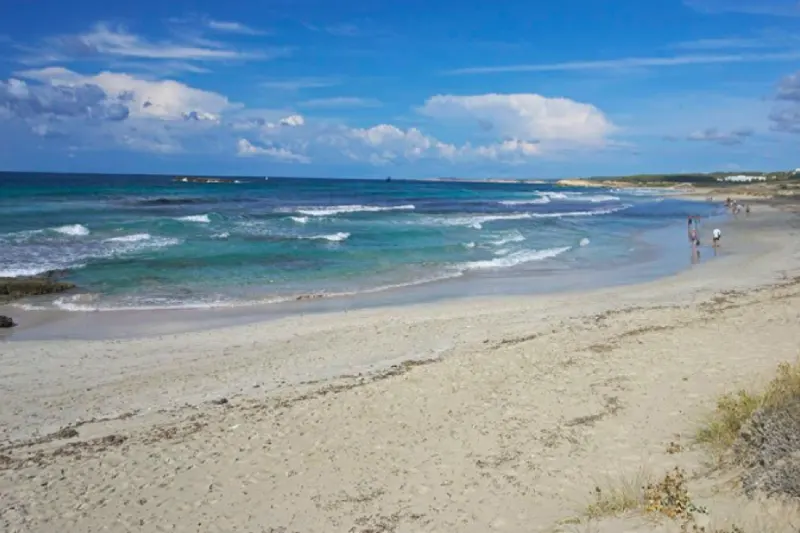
pixel 529 404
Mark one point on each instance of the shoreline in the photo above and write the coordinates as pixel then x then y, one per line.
pixel 653 262
pixel 470 416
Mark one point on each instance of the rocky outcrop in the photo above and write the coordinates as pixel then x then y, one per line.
pixel 6 322
pixel 15 288
pixel 205 180
pixel 769 450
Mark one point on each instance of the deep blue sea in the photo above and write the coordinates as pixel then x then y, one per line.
pixel 150 242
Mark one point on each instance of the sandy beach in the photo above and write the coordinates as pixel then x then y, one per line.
pixel 490 414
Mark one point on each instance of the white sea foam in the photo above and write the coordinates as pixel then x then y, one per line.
pixel 580 197
pixel 584 242
pixel 221 236
pixel 478 221
pixel 335 237
pixel 200 219
pixel 516 258
pixel 468 245
pixel 136 237
pixel 514 236
pixel 533 201
pixel 341 209
pixel 553 195
pixel 75 230
pixel 299 220
pixel 19 272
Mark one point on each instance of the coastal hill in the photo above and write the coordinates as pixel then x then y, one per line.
pixel 687 180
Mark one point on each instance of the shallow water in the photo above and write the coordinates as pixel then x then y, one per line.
pixel 147 242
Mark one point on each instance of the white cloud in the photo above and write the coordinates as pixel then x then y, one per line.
pixel 168 99
pixel 633 62
pixel 104 40
pixel 340 102
pixel 245 148
pixel 292 120
pixel 299 83
pixel 233 27
pixel 528 117
pixel 168 116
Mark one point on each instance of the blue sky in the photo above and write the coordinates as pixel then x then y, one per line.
pixel 403 88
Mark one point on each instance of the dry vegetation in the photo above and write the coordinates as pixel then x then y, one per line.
pixel 757 432
pixel 724 426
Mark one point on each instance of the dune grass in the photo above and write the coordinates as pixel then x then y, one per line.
pixel 721 429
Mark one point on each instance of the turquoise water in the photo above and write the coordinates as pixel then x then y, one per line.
pixel 149 242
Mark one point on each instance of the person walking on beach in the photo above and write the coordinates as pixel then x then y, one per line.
pixel 717 235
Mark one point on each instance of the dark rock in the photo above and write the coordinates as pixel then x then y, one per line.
pixel 113 440
pixel 205 180
pixel 66 433
pixel 15 288
pixel 6 322
pixel 220 401
pixel 769 449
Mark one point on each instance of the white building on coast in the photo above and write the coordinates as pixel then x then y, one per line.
pixel 742 178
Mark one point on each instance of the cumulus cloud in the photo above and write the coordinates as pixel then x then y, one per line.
pixel 88 101
pixel 167 99
pixel 168 116
pixel 527 117
pixel 789 88
pixel 245 148
pixel 727 138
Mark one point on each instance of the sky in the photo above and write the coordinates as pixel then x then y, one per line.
pixel 402 88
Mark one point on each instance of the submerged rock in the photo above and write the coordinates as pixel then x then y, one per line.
pixel 15 288
pixel 6 322
pixel 769 449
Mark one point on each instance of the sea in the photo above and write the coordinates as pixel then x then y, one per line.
pixel 151 242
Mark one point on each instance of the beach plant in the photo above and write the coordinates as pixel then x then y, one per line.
pixel 723 427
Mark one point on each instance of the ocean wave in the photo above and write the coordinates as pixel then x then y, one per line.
pixel 72 258
pixel 200 219
pixel 580 197
pixel 516 258
pixel 324 211
pixel 170 201
pixel 335 237
pixel 534 201
pixel 593 213
pixel 299 220
pixel 477 221
pixel 221 236
pixel 22 272
pixel 75 230
pixel 136 237
pixel 514 236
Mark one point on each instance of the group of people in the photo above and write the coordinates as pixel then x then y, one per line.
pixel 736 208
pixel 694 237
